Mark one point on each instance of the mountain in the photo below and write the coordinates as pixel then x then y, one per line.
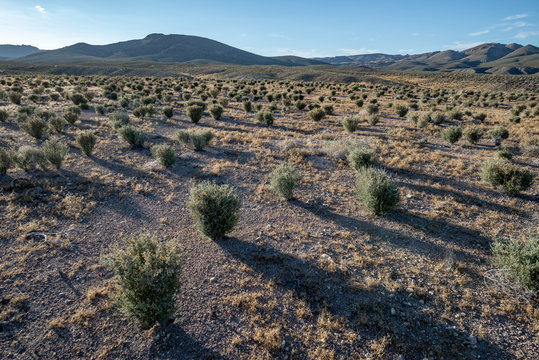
pixel 161 48
pixel 15 51
pixel 485 58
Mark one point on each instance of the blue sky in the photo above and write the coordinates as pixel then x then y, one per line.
pixel 297 27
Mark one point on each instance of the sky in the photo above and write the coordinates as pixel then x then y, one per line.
pixel 272 28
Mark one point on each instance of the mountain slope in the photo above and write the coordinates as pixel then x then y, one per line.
pixel 15 51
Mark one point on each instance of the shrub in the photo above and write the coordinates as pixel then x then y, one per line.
pixel 359 103
pixel 200 139
pixel 86 141
pixel 247 106
pixel 504 153
pixel 499 131
pixel 437 118
pixel 119 119
pixel 350 123
pixel 215 208
pixel 135 137
pixel 223 102
pixel 6 161
pixel 360 156
pixel 300 105
pixel 480 116
pixel 71 115
pixel 473 134
pixel 15 97
pixel 284 179
pixel 78 99
pixel 34 127
pixel 216 111
pixel 264 117
pixel 195 113
pixel 148 278
pixel 455 114
pixel 520 259
pixel 57 123
pixel 55 152
pixel 376 191
pixel 168 111
pixel 328 109
pixel 4 115
pixel 183 136
pixel 164 154
pixel 317 114
pixel 373 120
pixel 401 110
pixel 452 134
pixel 509 176
pixel 29 157
pixel 372 109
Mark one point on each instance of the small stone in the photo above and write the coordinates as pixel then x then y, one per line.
pixel 393 311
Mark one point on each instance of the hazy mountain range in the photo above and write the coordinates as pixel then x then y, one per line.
pixel 485 58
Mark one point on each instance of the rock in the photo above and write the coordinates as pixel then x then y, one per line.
pixel 393 311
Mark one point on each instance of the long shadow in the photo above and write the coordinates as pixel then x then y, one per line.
pixel 175 343
pixel 413 333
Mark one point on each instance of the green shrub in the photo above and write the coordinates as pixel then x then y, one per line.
pixel 168 111
pixel 86 141
pixel 6 160
pixel 360 156
pixel 284 179
pixel 148 278
pixel 29 157
pixel 480 116
pixel 520 259
pixel 455 114
pixel 373 109
pixel 317 114
pixel 401 110
pixel 223 102
pixel 451 134
pixel 164 154
pixel 247 106
pixel 71 115
pixel 183 136
pixel 200 139
pixel 215 208
pixel 135 137
pixel 4 115
pixel 373 120
pixel 216 111
pixel 195 113
pixel 376 191
pixel 15 97
pixel 359 103
pixel 300 105
pixel 78 99
pixel 504 153
pixel 499 131
pixel 119 119
pixel 513 179
pixel 328 109
pixel 34 127
pixel 264 117
pixel 437 118
pixel 55 152
pixel 57 123
pixel 350 123
pixel 473 134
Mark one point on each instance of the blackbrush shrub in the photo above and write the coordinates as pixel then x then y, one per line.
pixel 4 115
pixel 86 141
pixel 15 97
pixel 134 136
pixel 372 109
pixel 119 119
pixel 264 117
pixel 148 278
pixel 451 134
pixel 437 118
pixel 216 111
pixel 328 109
pixel 215 208
pixel 317 114
pixel 284 179
pixel 359 103
pixel 473 134
pixel 195 113
pixel 201 139
pixel 57 123
pixel 183 136
pixel 499 132
pixel 164 154
pixel 455 114
pixel 350 123
pixel 480 116
pixel 55 152
pixel 168 111
pixel 71 115
pixel 376 191
pixel 520 259
pixel 300 105
pixel 360 156
pixel 78 99
pixel 247 106
pixel 512 178
pixel 35 127
pixel 400 110
pixel 6 160
pixel 223 102
pixel 373 119
pixel 29 157
pixel 504 153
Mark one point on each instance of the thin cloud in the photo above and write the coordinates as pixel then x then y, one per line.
pixel 459 45
pixel 40 9
pixel 482 32
pixel 518 16
pixel 526 34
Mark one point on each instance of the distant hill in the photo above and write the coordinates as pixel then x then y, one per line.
pixel 15 51
pixel 161 48
pixel 485 58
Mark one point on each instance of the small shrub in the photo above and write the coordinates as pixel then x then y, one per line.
pixel 216 111
pixel 350 123
pixel 119 119
pixel 55 152
pixel 373 109
pixel 15 97
pixel 195 113
pixel 164 154
pixel 264 117
pixel 480 116
pixel 437 118
pixel 201 139
pixel 71 115
pixel 135 137
pixel 499 134
pixel 35 127
pixel 148 278
pixel 6 161
pixel 376 191
pixel 247 106
pixel 361 156
pixel 520 259
pixel 513 179
pixel 451 134
pixel 57 123
pixel 328 109
pixel 317 114
pixel 86 141
pixel 373 120
pixel 504 153
pixel 215 208
pixel 4 115
pixel 168 111
pixel 455 114
pixel 284 179
pixel 401 110
pixel 183 136
pixel 473 134
pixel 78 99
pixel 300 105
pixel 29 157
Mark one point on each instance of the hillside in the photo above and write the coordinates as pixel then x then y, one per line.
pixel 15 51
